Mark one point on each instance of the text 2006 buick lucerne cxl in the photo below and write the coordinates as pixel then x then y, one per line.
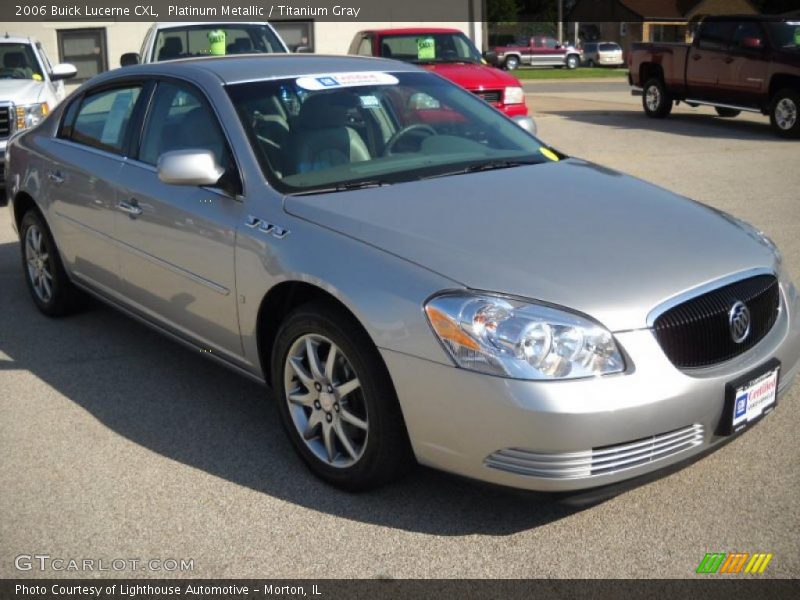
pixel 415 276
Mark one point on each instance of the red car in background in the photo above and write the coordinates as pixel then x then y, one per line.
pixel 451 54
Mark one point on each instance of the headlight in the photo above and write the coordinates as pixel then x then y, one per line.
pixel 514 95
pixel 510 338
pixel 31 115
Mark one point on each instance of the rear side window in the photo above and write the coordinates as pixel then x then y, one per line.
pixel 103 119
pixel 715 35
pixel 609 47
pixel 747 30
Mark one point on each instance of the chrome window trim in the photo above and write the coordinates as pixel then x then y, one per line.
pixel 674 301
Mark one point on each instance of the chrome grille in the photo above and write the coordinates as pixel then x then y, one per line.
pixel 490 96
pixel 5 122
pixel 696 333
pixel 597 461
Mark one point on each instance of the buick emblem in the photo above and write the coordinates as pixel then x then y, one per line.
pixel 739 322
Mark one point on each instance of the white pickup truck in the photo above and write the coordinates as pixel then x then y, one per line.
pixel 30 86
pixel 171 41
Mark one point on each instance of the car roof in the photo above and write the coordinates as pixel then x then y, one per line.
pixel 16 39
pixel 260 67
pixel 181 24
pixel 413 30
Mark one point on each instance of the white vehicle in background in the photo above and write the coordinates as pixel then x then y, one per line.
pixel 172 41
pixel 602 54
pixel 30 87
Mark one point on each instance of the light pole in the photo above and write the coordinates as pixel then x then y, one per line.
pixel 560 21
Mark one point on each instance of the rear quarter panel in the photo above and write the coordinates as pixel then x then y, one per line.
pixel 669 58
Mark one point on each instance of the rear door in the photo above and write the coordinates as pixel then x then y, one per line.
pixel 706 60
pixel 82 180
pixel 743 80
pixel 177 241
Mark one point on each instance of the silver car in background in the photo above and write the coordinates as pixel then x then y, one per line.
pixel 602 54
pixel 414 276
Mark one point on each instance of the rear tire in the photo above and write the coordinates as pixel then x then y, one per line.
pixel 784 113
pixel 52 291
pixel 321 414
pixel 511 63
pixel 727 112
pixel 590 63
pixel 656 100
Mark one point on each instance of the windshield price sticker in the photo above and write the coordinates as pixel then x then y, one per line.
pixel 426 48
pixel 340 80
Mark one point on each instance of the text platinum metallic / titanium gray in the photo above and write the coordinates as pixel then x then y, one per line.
pixel 469 299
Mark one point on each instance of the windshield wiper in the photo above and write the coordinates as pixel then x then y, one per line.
pixel 491 165
pixel 345 187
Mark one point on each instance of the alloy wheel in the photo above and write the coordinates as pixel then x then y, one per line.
pixel 653 98
pixel 786 114
pixel 40 267
pixel 325 400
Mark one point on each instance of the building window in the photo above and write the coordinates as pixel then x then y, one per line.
pixel 84 48
pixel 296 33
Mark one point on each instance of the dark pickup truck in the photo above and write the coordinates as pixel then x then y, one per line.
pixel 745 63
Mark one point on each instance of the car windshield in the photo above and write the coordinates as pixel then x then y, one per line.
pixel 786 34
pixel 17 61
pixel 331 132
pixel 609 47
pixel 430 47
pixel 214 40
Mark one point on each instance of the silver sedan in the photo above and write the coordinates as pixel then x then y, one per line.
pixel 414 276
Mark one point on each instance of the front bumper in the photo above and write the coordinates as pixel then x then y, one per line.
pixel 463 422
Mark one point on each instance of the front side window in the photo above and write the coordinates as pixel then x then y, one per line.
pixel 17 61
pixel 785 34
pixel 103 118
pixel 180 120
pixel 214 40
pixel 430 47
pixel 745 32
pixel 332 131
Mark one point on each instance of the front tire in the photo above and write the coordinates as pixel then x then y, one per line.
pixel 784 114
pixel 512 63
pixel 573 61
pixel 727 112
pixel 52 291
pixel 656 100
pixel 336 400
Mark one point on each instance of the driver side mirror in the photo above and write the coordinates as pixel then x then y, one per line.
pixel 189 167
pixel 63 71
pixel 752 43
pixel 490 56
pixel 129 58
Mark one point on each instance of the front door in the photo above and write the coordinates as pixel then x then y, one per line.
pixel 744 80
pixel 177 241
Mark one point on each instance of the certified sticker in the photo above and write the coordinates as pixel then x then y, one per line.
pixel 339 80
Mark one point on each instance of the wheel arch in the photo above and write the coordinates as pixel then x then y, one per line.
pixel 278 303
pixel 23 202
pixel 650 70
pixel 781 81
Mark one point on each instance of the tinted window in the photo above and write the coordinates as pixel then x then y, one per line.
pixel 179 119
pixel 785 34
pixel 609 47
pixel 430 47
pixel 550 43
pixel 715 35
pixel 743 31
pixel 103 118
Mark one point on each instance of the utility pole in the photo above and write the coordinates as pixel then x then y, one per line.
pixel 560 21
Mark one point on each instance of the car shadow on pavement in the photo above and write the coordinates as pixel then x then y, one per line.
pixel 704 124
pixel 178 404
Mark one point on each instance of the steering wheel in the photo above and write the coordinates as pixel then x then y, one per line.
pixel 416 129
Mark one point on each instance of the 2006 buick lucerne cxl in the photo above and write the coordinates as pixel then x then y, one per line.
pixel 415 276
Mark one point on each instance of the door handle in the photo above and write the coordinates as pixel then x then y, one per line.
pixel 130 208
pixel 697 56
pixel 55 176
pixel 728 60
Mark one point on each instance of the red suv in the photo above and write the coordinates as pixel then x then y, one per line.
pixel 451 54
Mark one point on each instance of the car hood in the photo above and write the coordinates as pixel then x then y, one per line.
pixel 473 76
pixel 20 91
pixel 569 233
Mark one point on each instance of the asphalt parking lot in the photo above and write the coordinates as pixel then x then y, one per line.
pixel 117 443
